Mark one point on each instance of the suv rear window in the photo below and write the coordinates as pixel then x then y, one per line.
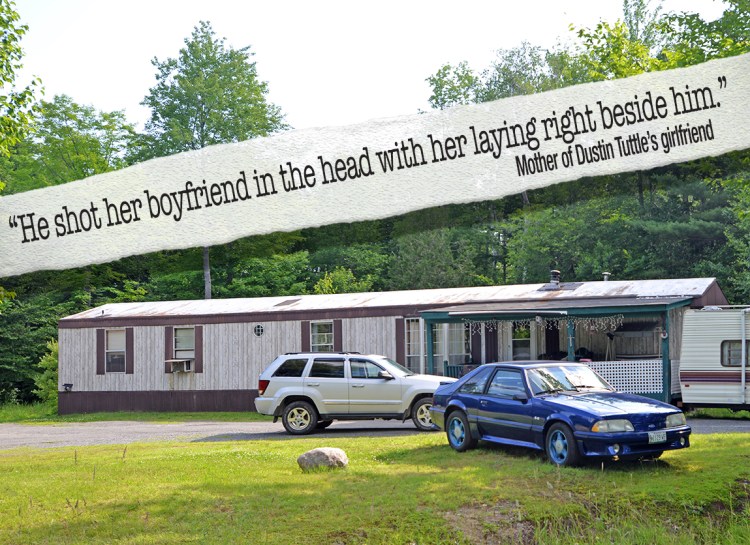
pixel 291 368
pixel 327 368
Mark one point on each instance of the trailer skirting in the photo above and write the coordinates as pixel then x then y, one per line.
pixel 157 401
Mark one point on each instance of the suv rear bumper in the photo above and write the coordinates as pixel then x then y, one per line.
pixel 265 405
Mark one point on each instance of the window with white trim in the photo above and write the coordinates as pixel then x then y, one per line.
pixel 184 343
pixel 114 351
pixel 321 336
pixel 521 341
pixel 459 344
pixel 438 334
pixel 413 349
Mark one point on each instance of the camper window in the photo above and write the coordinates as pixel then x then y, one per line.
pixel 731 353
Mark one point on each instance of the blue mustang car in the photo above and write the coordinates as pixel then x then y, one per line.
pixel 563 408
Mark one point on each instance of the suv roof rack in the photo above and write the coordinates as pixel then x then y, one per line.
pixel 313 352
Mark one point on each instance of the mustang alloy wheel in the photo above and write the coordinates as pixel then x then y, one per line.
pixel 561 446
pixel 459 433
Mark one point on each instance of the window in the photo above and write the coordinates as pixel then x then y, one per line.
pixel 475 385
pixel 115 351
pixel 184 343
pixel 321 336
pixel 364 369
pixel 327 368
pixel 291 368
pixel 731 353
pixel 437 346
pixel 521 341
pixel 506 383
pixel 413 348
pixel 459 344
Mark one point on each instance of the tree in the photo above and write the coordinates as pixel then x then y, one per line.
pixel 16 105
pixel 46 381
pixel 209 94
pixel 342 280
pixel 70 142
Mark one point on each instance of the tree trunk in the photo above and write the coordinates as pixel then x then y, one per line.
pixel 206 274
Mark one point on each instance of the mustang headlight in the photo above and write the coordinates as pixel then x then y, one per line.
pixel 612 426
pixel 676 420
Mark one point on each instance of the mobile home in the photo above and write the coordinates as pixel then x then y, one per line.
pixel 206 355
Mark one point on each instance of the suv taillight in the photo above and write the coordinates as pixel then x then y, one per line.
pixel 262 385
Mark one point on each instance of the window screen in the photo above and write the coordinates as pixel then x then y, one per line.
pixel 115 351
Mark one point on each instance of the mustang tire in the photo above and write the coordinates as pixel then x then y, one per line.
pixel 459 432
pixel 560 446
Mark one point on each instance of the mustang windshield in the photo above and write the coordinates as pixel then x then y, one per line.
pixel 564 378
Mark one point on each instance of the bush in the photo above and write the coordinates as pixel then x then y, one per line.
pixel 46 381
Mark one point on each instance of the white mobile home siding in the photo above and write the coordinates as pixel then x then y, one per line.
pixel 703 379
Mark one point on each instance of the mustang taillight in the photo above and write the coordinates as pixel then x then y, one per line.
pixel 262 385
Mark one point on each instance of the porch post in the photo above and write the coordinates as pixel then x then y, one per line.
pixel 665 363
pixel 571 340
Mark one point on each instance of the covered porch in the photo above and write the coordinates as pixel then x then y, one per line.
pixel 632 342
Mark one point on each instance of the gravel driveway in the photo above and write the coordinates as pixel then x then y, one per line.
pixel 117 433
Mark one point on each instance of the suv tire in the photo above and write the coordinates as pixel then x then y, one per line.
pixel 420 414
pixel 299 418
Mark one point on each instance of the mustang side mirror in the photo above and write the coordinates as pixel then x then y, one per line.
pixel 386 375
pixel 520 397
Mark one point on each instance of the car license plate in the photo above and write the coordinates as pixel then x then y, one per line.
pixel 657 437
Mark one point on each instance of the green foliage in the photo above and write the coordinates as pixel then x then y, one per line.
pixel 16 105
pixel 692 40
pixel 453 85
pixel 341 280
pixel 71 142
pixel 46 381
pixel 209 94
pixel 25 328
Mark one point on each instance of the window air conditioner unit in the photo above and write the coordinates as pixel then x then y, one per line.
pixel 182 366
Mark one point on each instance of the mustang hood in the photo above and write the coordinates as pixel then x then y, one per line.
pixel 609 403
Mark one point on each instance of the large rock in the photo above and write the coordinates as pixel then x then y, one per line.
pixel 325 457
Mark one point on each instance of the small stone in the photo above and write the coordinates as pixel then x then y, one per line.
pixel 323 457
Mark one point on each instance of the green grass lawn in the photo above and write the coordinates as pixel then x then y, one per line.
pixel 396 490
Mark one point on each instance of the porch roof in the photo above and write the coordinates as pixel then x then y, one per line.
pixel 558 307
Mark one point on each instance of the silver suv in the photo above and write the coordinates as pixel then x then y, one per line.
pixel 310 390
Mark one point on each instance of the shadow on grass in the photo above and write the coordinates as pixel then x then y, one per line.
pixel 333 432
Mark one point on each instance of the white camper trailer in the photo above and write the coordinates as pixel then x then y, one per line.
pixel 715 342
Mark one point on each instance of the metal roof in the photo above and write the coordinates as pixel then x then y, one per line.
pixel 559 307
pixel 520 295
